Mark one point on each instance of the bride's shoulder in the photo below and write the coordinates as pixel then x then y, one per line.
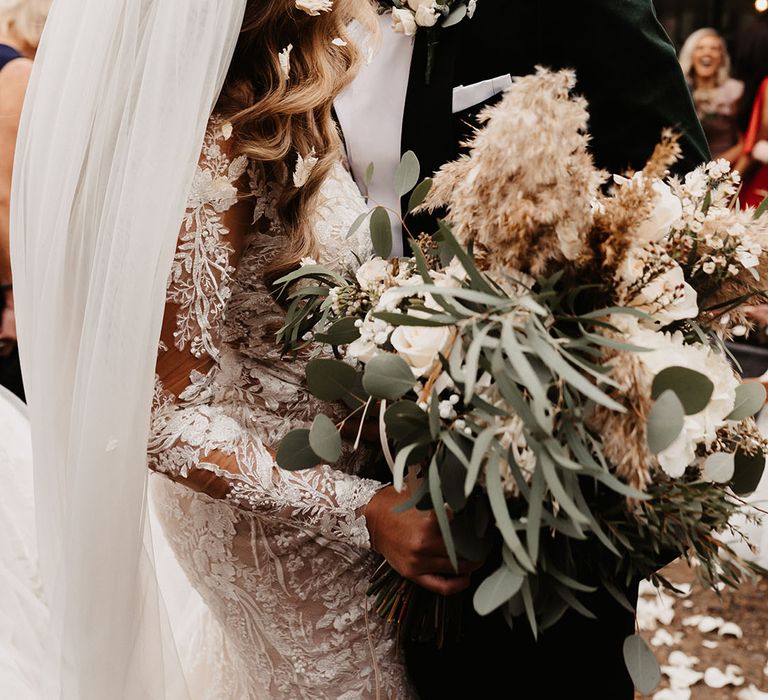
pixel 221 170
pixel 219 142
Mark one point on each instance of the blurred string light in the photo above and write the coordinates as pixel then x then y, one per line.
pixel 761 5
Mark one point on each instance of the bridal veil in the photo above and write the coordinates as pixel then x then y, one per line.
pixel 115 115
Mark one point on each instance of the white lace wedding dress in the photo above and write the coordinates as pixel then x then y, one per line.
pixel 23 611
pixel 281 559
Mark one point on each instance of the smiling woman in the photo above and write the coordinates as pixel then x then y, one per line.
pixel 707 67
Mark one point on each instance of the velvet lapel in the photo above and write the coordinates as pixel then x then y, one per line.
pixel 428 118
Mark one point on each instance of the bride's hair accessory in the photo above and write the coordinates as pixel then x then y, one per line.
pixel 314 7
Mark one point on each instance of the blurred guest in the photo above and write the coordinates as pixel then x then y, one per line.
pixel 751 65
pixel 21 24
pixel 707 67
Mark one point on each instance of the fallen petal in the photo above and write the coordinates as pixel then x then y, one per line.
pixel 663 638
pixel 680 658
pixel 675 694
pixel 715 678
pixel 710 643
pixel 730 629
pixel 710 624
pixel 751 693
pixel 681 677
pixel 684 588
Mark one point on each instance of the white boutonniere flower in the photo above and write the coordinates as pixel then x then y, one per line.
pixel 410 16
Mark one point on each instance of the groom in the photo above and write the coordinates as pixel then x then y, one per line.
pixel 628 71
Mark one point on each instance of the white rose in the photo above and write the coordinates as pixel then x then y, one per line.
pixel 420 345
pixel 666 213
pixel 404 22
pixel 372 274
pixel 426 16
pixel 670 350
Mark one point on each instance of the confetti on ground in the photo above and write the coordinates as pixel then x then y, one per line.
pixel 710 646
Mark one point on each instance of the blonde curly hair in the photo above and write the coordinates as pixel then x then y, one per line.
pixel 24 19
pixel 278 118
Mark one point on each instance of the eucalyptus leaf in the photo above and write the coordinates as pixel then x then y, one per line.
pixel 438 503
pixel 567 595
pixel 311 271
pixel 665 422
pixel 423 321
pixel 358 222
pixel 719 468
pixel 694 389
pixel 419 494
pixel 530 610
pixel 501 514
pixel 496 590
pixel 535 510
pixel 342 332
pixel 324 439
pixel 368 177
pixel 453 472
pixel 479 281
pixel 434 415
pixel 406 423
pixel 419 194
pixel 381 232
pixel 330 380
pixel 401 463
pixel 388 377
pixel 567 372
pixel 295 453
pixel 456 15
pixel 748 472
pixel 407 173
pixel 472 360
pixel 761 208
pixel 642 664
pixel 750 398
pixel 559 491
pixel 479 455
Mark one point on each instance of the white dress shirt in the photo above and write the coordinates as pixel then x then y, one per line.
pixel 370 112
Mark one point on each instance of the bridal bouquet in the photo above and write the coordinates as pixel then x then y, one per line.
pixel 549 370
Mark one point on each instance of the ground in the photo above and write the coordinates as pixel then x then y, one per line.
pixel 697 625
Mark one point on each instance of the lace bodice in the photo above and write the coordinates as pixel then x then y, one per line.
pixel 281 558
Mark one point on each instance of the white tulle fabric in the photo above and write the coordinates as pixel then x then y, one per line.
pixel 282 559
pixel 116 111
pixel 23 611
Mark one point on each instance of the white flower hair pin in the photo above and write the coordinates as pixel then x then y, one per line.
pixel 410 16
pixel 314 7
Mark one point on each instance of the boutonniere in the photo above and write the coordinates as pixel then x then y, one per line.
pixel 410 16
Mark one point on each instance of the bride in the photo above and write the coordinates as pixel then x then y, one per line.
pixel 108 160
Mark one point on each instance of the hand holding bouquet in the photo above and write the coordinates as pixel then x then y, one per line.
pixel 551 364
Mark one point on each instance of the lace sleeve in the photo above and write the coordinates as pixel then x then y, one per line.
pixel 211 401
